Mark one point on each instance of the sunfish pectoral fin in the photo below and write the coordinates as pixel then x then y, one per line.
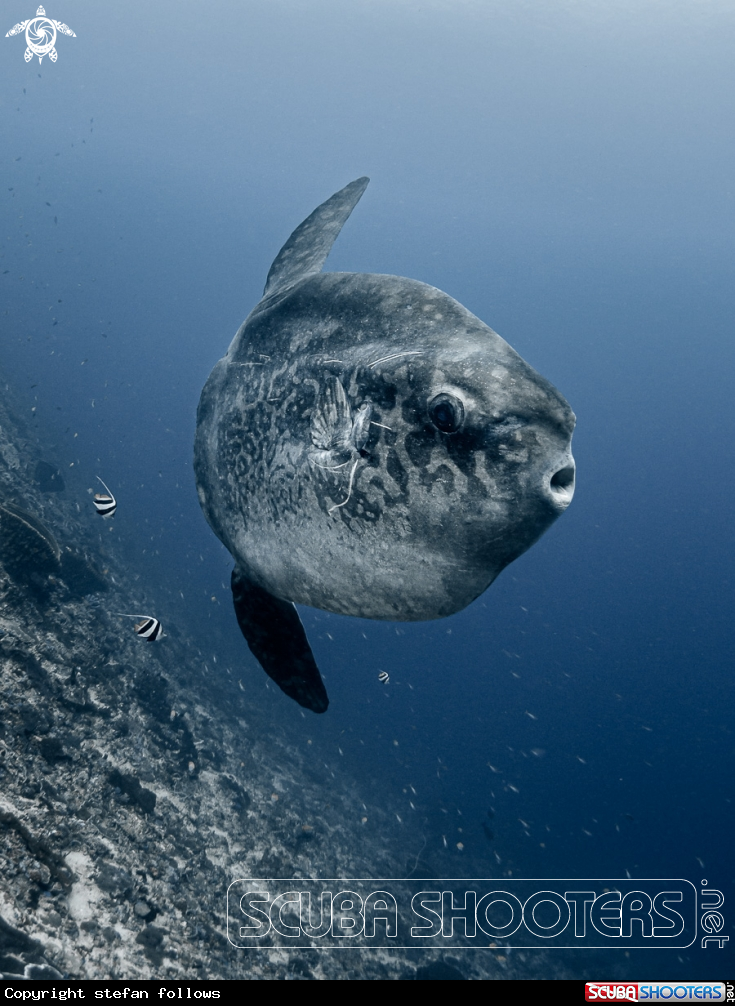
pixel 277 640
pixel 331 420
pixel 307 249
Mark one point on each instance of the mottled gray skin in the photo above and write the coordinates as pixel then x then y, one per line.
pixel 391 518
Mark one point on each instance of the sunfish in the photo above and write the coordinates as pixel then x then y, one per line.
pixel 369 447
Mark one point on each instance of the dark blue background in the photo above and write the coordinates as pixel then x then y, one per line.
pixel 565 171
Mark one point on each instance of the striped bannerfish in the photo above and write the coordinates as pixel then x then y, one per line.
pixel 384 677
pixel 104 503
pixel 148 628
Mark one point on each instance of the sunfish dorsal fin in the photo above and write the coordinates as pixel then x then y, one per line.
pixel 306 250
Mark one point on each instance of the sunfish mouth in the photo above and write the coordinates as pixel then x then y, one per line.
pixel 560 489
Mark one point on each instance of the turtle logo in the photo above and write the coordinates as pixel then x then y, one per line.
pixel 40 35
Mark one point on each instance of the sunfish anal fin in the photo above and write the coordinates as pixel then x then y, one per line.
pixel 307 249
pixel 276 637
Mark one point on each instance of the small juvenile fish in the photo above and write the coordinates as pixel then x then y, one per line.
pixel 104 503
pixel 147 628
pixel 384 677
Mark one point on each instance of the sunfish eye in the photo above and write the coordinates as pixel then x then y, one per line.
pixel 446 413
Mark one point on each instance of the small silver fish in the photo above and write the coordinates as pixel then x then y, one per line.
pixel 384 677
pixel 104 503
pixel 147 628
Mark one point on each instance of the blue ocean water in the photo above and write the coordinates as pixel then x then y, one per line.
pixel 563 170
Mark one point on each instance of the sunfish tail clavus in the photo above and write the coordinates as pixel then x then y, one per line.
pixel 368 446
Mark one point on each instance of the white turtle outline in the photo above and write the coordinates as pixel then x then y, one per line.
pixel 48 48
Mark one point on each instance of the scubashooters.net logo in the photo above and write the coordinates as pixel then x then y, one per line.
pixel 461 913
